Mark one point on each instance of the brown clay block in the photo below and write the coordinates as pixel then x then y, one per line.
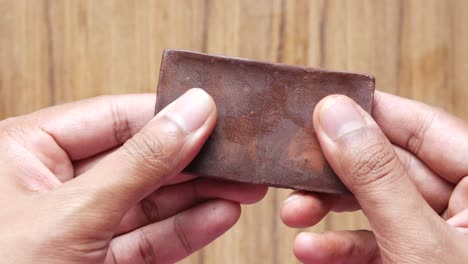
pixel 264 132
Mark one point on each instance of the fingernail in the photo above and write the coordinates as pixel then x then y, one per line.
pixel 293 196
pixel 192 109
pixel 338 117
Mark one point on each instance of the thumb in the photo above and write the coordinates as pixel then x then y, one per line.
pixel 160 150
pixel 366 162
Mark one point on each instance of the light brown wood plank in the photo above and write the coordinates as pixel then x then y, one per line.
pixel 425 52
pixel 459 53
pixel 24 57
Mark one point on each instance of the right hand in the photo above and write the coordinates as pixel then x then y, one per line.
pixel 414 192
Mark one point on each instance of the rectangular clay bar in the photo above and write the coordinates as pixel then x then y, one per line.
pixel 264 132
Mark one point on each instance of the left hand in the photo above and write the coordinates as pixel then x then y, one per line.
pixel 97 181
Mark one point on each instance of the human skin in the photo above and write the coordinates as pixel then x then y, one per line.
pixel 406 169
pixel 98 181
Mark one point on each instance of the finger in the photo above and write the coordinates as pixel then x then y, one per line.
pixel 303 209
pixel 426 181
pixel 79 130
pixel 460 220
pixel 81 166
pixel 424 130
pixel 170 200
pixel 177 237
pixel 179 178
pixel 367 164
pixel 85 128
pixel 459 199
pixel 337 247
pixel 145 162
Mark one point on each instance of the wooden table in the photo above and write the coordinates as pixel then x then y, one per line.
pixel 58 51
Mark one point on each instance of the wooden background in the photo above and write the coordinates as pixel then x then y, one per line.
pixel 57 51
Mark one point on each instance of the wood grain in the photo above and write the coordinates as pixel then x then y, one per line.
pixel 54 51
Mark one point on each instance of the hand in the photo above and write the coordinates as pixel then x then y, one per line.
pixel 414 192
pixel 70 192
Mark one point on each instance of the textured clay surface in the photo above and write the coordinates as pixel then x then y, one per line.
pixel 264 132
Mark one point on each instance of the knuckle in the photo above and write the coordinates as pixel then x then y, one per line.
pixel 150 209
pixel 373 163
pixel 416 138
pixel 181 235
pixel 145 248
pixel 155 151
pixel 120 125
pixel 147 152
